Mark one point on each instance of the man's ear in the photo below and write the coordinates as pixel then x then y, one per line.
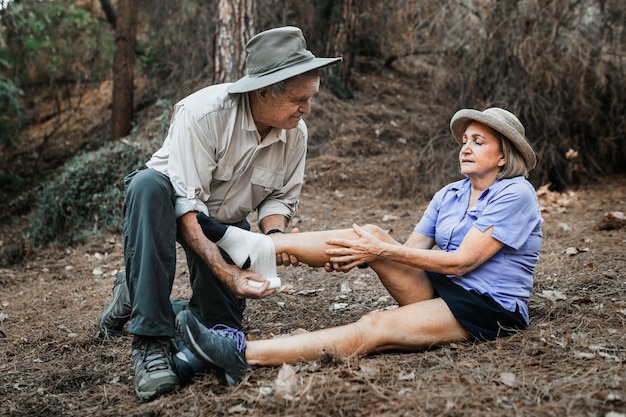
pixel 262 93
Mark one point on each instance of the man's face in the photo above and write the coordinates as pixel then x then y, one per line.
pixel 286 110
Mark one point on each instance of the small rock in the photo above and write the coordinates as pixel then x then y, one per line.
pixel 614 220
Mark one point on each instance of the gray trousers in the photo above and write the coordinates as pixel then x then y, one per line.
pixel 150 236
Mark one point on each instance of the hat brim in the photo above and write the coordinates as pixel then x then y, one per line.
pixel 463 118
pixel 251 83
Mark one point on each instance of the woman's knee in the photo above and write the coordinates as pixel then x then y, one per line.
pixel 372 323
pixel 378 232
pixel 373 229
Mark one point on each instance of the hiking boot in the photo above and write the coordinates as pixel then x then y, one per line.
pixel 187 364
pixel 117 313
pixel 154 371
pixel 220 346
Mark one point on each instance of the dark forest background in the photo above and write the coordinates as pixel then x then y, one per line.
pixel 560 65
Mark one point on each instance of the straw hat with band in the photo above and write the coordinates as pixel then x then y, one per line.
pixel 502 121
pixel 275 55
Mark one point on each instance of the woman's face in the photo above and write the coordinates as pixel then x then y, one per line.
pixel 481 155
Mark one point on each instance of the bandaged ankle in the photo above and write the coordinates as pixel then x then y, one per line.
pixel 243 247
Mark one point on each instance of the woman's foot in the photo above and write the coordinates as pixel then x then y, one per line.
pixel 244 247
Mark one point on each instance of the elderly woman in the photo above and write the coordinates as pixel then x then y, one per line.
pixel 465 273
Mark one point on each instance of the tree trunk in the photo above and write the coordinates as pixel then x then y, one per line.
pixel 109 12
pixel 123 64
pixel 237 24
pixel 340 43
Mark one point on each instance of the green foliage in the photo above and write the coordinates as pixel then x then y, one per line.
pixel 56 39
pixel 147 57
pixel 86 197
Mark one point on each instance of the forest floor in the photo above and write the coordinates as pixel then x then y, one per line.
pixel 570 362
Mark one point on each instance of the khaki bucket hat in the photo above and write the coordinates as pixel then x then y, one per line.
pixel 500 120
pixel 275 55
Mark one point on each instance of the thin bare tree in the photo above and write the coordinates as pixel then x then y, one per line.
pixel 237 24
pixel 123 64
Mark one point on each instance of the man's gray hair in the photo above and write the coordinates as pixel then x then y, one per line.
pixel 277 89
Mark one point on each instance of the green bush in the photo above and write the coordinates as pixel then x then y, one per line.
pixel 56 40
pixel 86 198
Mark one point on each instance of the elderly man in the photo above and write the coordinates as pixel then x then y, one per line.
pixel 231 149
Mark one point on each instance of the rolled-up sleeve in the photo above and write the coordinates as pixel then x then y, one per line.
pixel 191 162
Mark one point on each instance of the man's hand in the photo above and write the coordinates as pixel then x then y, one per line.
pixel 239 283
pixel 277 223
pixel 285 259
pixel 233 277
pixel 337 267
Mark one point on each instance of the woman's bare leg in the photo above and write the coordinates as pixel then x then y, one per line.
pixel 309 247
pixel 405 283
pixel 420 322
pixel 241 245
pixel 246 249
pixel 412 327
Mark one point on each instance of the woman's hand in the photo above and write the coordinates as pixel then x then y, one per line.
pixel 350 253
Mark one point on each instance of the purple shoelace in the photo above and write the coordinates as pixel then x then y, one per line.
pixel 223 330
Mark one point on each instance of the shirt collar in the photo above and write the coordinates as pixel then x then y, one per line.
pixel 463 189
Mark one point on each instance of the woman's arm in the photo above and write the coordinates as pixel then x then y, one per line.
pixel 419 241
pixel 476 248
pixel 309 247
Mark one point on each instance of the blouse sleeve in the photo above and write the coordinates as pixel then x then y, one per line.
pixel 513 212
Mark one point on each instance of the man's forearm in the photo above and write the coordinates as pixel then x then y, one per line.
pixel 191 232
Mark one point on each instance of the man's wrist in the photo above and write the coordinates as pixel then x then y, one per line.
pixel 272 231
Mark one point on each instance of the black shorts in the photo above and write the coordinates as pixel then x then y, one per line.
pixel 481 315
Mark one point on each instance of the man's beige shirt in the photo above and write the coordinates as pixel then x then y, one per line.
pixel 218 164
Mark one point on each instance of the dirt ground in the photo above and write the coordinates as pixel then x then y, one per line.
pixel 570 362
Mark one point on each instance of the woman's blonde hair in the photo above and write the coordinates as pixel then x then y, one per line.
pixel 515 164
